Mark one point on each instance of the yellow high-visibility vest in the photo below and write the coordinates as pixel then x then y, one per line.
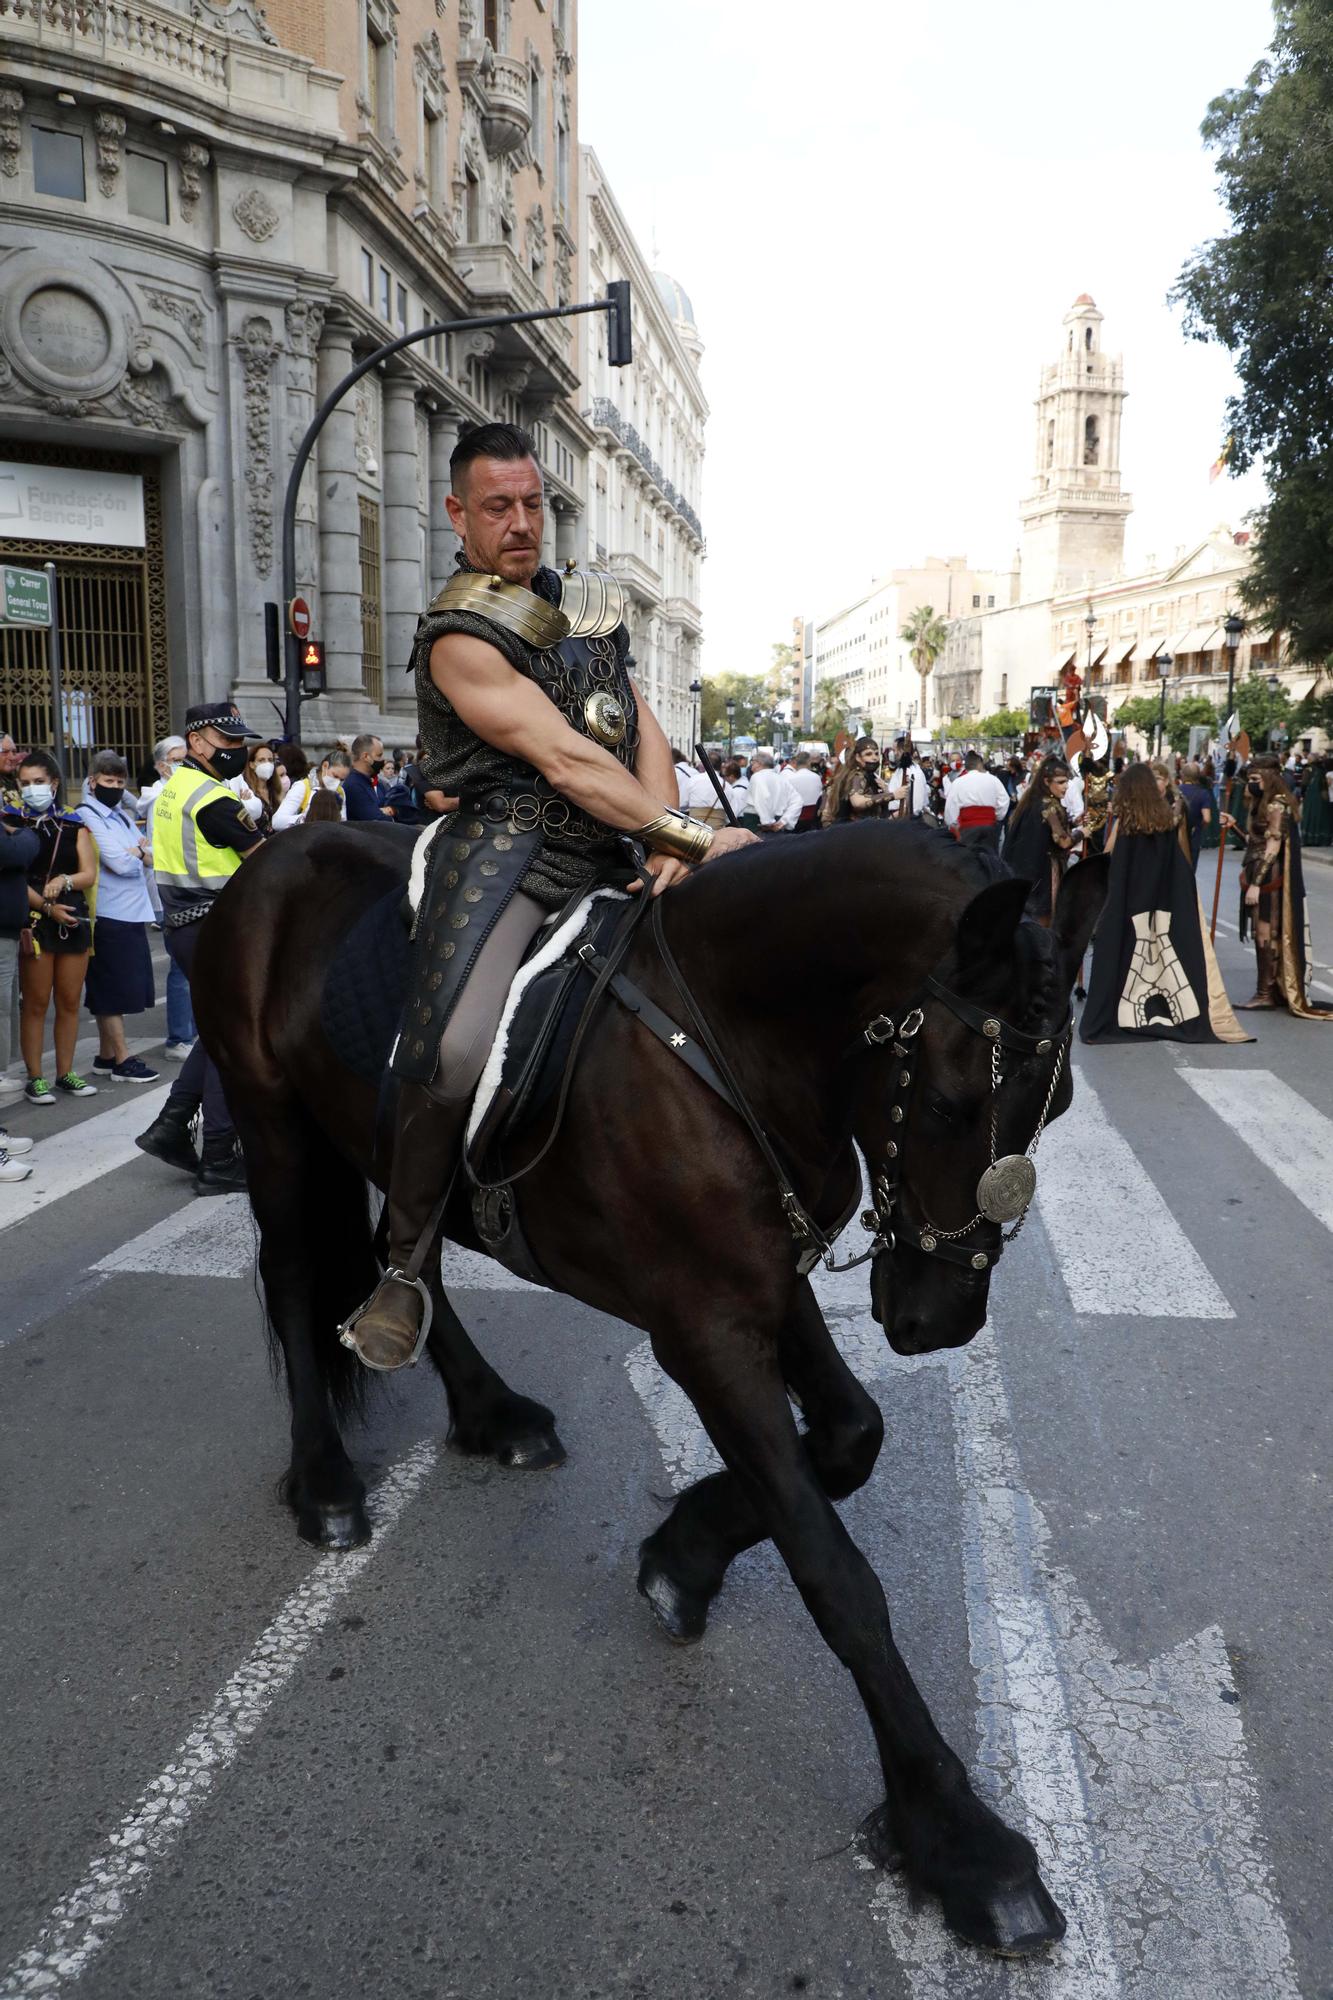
pixel 183 856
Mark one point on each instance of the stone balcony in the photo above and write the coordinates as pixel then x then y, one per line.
pixel 640 579
pixel 684 611
pixel 499 87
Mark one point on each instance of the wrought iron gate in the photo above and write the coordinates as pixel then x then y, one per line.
pixel 112 605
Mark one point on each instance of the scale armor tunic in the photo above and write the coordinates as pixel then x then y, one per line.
pixel 575 850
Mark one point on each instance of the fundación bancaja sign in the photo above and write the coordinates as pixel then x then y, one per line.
pixel 65 503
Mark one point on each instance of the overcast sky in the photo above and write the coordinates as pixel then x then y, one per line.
pixel 881 213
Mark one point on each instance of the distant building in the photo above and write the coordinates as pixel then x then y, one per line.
pixel 645 462
pixel 208 211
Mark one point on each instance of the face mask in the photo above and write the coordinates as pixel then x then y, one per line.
pixel 331 783
pixel 38 797
pixel 376 766
pixel 264 771
pixel 228 763
pixel 109 795
pixel 1253 790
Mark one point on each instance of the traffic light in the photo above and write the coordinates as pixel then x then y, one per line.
pixel 619 334
pixel 272 643
pixel 312 666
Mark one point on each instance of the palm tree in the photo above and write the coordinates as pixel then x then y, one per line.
pixel 926 634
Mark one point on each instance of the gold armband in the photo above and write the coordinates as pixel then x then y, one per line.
pixel 676 833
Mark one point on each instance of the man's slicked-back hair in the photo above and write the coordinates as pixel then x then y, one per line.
pixel 503 441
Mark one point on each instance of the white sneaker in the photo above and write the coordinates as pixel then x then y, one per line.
pixel 177 1051
pixel 12 1170
pixel 10 1088
pixel 9 1143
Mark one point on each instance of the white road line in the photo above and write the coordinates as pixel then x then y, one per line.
pixel 1119 1248
pixel 206 1239
pixel 1291 1138
pixel 82 1922
pixel 82 1153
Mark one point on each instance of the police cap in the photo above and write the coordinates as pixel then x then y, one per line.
pixel 220 715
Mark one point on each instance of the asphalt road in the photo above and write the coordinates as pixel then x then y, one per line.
pixel 467 1764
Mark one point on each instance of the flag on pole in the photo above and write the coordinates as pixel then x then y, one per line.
pixel 1221 462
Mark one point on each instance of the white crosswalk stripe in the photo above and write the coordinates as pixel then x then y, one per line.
pixel 1283 1130
pixel 1119 1248
pixel 82 1153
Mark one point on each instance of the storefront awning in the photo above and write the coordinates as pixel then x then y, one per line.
pixel 1127 650
pixel 1188 642
pixel 1061 660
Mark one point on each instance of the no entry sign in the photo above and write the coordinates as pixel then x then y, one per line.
pixel 298 617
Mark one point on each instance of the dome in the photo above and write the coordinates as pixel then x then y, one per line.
pixel 675 298
pixel 1085 299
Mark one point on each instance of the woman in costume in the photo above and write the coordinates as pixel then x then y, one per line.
pixel 1272 897
pixel 1038 836
pixel 1317 808
pixel 855 792
pixel 1154 976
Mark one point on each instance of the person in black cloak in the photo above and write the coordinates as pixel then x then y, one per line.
pixel 1272 897
pixel 1154 975
pixel 1038 836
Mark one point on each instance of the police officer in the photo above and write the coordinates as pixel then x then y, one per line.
pixel 200 838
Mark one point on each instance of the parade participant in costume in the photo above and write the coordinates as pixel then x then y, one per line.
pixel 1273 894
pixel 1317 809
pixel 1038 836
pixel 1154 975
pixel 855 792
pixel 909 793
pixel 201 835
pixel 975 806
pixel 530 718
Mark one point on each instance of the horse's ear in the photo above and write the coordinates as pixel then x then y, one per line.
pixel 986 927
pixel 1077 908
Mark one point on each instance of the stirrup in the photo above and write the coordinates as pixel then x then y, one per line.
pixel 346 1332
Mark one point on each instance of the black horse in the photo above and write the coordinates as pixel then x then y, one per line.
pixel 656 1205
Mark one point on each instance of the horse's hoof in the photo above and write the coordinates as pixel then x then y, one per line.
pixel 682 1614
pixel 1013 1922
pixel 343 1525
pixel 541 1452
pixel 881 1843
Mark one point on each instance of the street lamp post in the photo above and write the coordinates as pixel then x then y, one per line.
pixel 731 720
pixel 1233 628
pixel 1164 665
pixel 696 689
pixel 1089 626
pixel 1274 686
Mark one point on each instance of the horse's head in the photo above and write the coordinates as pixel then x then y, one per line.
pixel 964 1082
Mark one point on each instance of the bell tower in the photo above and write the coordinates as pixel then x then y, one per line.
pixel 1074 517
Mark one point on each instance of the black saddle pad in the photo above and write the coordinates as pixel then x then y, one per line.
pixel 540 1035
pixel 363 991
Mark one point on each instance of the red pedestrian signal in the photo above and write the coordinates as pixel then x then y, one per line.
pixel 312 665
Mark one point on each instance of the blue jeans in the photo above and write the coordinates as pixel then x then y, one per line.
pixel 180 1015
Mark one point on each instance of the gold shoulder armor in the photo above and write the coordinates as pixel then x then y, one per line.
pixel 592 600
pixel 509 605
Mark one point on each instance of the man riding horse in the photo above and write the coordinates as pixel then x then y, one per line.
pixel 530 718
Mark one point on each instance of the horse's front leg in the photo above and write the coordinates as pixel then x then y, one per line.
pixel 486 1416
pixel 682 1565
pixel 948 1841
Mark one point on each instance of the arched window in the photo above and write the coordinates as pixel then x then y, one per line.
pixel 1087 338
pixel 1092 443
pixel 1050 442
pixel 1071 340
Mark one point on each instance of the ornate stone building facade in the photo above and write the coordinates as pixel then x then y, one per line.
pixel 646 459
pixel 206 213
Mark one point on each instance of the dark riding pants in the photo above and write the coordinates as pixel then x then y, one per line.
pixel 431 1117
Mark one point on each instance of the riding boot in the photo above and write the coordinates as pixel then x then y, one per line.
pixel 390 1329
pixel 1265 993
pixel 169 1136
pixel 222 1168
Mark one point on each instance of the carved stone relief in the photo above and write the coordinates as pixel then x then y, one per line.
pixel 109 127
pixel 564 274
pixel 423 462
pixel 258 352
pixel 193 160
pixel 256 215
pixel 536 240
pixel 305 323
pixel 369 455
pixel 11 137
pixel 187 313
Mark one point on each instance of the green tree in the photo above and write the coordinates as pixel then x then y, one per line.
pixel 1262 291
pixel 1260 708
pixel 750 694
pixel 1004 722
pixel 782 674
pixel 1140 712
pixel 831 712
pixel 925 633
pixel 1192 711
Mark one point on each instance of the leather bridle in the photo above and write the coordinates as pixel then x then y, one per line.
pixel 1006 1188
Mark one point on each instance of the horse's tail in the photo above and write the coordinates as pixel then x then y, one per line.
pixel 336 1230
